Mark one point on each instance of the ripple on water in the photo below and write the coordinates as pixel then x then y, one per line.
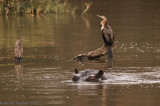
pixel 126 78
pixel 138 47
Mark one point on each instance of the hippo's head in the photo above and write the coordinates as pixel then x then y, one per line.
pixel 87 75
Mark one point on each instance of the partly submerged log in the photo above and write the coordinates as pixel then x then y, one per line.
pixel 96 53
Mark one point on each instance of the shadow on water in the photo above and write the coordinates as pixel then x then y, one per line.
pixel 19 68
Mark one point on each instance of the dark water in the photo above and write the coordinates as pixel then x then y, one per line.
pixel 51 41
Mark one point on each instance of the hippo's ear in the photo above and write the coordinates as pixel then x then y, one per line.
pixel 76 71
pixel 99 74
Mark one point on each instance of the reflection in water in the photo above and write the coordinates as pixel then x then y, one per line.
pixel 104 97
pixel 19 68
pixel 109 63
pixel 86 22
pixel 88 92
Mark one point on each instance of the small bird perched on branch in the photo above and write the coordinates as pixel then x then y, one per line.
pixel 88 4
pixel 107 35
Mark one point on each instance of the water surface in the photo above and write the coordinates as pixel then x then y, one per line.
pixel 50 42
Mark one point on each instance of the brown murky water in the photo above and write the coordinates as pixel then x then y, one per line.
pixel 51 41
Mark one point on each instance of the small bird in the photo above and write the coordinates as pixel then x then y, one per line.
pixel 107 35
pixel 19 49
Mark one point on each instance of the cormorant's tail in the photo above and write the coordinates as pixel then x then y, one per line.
pixel 109 49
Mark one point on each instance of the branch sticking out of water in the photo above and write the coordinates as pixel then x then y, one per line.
pixel 88 5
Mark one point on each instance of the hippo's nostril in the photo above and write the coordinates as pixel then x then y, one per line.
pixel 90 79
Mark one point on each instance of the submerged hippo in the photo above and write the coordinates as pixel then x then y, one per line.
pixel 89 75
